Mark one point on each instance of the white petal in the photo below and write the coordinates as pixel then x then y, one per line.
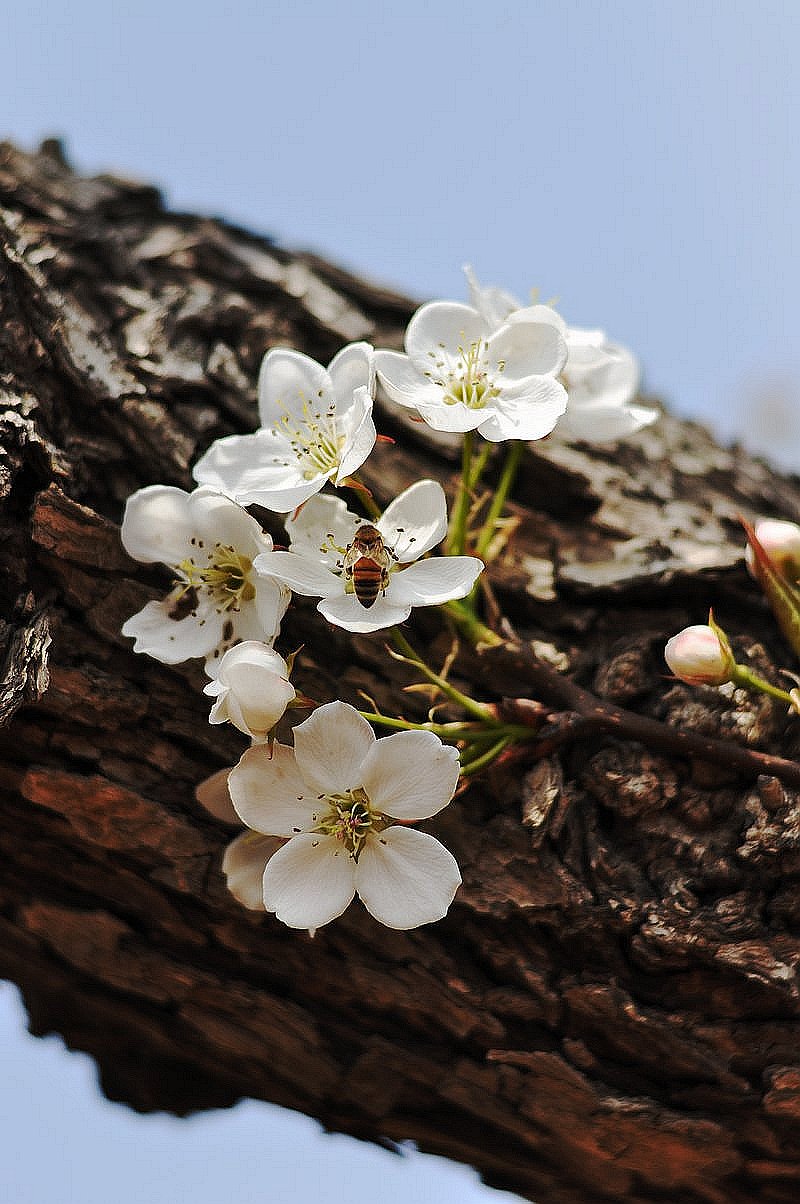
pixel 331 746
pixel 344 610
pixel 431 582
pixel 270 604
pixel 310 881
pixel 403 382
pixel 438 331
pixel 301 575
pixel 287 382
pixel 257 469
pixel 540 313
pixel 218 519
pixel 415 521
pixel 322 529
pixel 360 435
pixel 174 640
pixel 456 418
pixel 158 525
pixel 410 775
pixel 213 794
pixel 406 878
pixel 269 794
pixel 527 349
pixel 493 303
pixel 243 865
pixel 531 414
pixel 352 368
pixel 599 423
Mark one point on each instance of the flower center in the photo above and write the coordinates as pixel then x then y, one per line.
pixel 469 382
pixel 313 438
pixel 225 575
pixel 350 818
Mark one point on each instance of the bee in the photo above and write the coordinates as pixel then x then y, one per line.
pixel 366 563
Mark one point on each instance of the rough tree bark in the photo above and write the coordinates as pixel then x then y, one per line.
pixel 609 1011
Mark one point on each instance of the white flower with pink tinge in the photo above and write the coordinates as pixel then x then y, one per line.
pixel 343 799
pixel 316 426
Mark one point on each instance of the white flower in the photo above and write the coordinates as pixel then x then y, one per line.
pixel 780 539
pixel 243 865
pixel 337 795
pixel 324 544
pixel 218 599
pixel 462 372
pixel 252 689
pixel 601 378
pixel 316 426
pixel 699 657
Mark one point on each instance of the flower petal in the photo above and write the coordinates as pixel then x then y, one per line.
pixel 402 381
pixel 531 413
pixel 345 610
pixel 158 525
pixel 431 582
pixel 415 521
pixel 322 529
pixel 269 793
pixel 527 349
pixel 410 775
pixel 456 418
pixel 174 640
pixel 288 381
pixel 438 331
pixel 360 435
pixel 310 881
pixel 301 575
pixel 493 303
pixel 213 794
pixel 331 746
pixel 270 604
pixel 218 519
pixel 257 469
pixel 406 878
pixel 352 368
pixel 243 865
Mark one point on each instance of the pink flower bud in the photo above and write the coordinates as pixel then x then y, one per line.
pixel 697 656
pixel 781 541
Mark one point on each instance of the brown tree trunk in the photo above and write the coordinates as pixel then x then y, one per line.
pixel 609 1010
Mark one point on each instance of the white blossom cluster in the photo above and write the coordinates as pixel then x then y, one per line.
pixel 340 798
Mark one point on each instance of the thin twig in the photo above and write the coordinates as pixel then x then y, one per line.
pixel 553 688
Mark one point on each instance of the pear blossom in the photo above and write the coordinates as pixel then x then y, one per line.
pixel 316 426
pixel 317 561
pixel 780 539
pixel 463 372
pixel 700 656
pixel 343 798
pixel 218 599
pixel 243 864
pixel 601 377
pixel 251 689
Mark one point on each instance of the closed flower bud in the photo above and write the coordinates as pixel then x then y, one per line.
pixel 699 657
pixel 251 689
pixel 781 541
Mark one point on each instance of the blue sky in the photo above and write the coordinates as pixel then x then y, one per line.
pixel 637 160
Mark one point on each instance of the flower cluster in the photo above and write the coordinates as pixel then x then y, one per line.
pixel 341 800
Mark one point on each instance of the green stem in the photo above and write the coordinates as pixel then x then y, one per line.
pixel 446 731
pixel 367 500
pixel 457 535
pixel 470 626
pixel 491 754
pixel 469 704
pixel 742 676
pixel 504 486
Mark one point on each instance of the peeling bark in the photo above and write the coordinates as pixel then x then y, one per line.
pixel 609 1011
